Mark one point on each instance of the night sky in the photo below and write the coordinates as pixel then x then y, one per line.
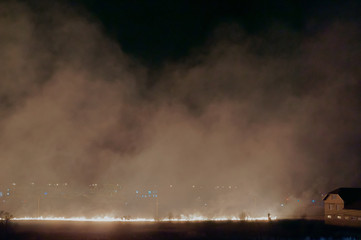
pixel 156 31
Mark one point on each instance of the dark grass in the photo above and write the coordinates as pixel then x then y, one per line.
pixel 282 229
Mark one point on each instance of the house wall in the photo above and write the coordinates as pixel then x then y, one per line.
pixel 335 213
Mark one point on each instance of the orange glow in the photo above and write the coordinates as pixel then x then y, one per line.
pixel 191 218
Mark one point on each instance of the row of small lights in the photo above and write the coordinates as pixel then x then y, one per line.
pixel 95 185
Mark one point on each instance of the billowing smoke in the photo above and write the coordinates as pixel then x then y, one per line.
pixel 257 118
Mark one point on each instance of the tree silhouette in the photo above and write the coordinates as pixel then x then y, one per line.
pixel 5 218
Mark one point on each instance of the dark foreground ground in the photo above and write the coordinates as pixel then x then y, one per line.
pixel 282 229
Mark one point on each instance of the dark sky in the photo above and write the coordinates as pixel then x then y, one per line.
pixel 154 31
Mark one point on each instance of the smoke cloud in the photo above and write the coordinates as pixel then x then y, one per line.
pixel 255 117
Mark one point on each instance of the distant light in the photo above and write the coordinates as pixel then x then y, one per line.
pixel 136 191
pixel 282 205
pixel 229 187
pixel 45 193
pixel 14 184
pixel 8 194
pixel 170 185
pixel 149 192
pixel 156 195
pixel 193 186
pixel 313 201
pixel 298 200
pixel 1 194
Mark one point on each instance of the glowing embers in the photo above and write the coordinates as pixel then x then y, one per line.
pixel 84 219
pixel 191 218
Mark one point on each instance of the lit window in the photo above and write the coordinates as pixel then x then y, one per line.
pixel 339 217
pixel 329 216
pixel 347 217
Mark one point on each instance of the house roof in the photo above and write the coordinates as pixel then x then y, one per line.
pixel 350 196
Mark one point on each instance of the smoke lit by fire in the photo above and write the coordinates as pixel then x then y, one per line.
pixel 247 124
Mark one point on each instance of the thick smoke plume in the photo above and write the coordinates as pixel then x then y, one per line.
pixel 270 116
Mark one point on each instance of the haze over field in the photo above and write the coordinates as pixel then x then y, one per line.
pixel 276 113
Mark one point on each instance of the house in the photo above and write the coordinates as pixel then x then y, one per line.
pixel 343 207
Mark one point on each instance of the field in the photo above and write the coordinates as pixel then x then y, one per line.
pixel 282 229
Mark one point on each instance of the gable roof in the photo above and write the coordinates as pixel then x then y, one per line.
pixel 350 196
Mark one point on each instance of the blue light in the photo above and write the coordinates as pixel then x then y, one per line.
pixel 45 193
pixel 298 200
pixel 136 191
pixel 313 201
pixel 149 192
pixel 1 194
pixel 156 195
